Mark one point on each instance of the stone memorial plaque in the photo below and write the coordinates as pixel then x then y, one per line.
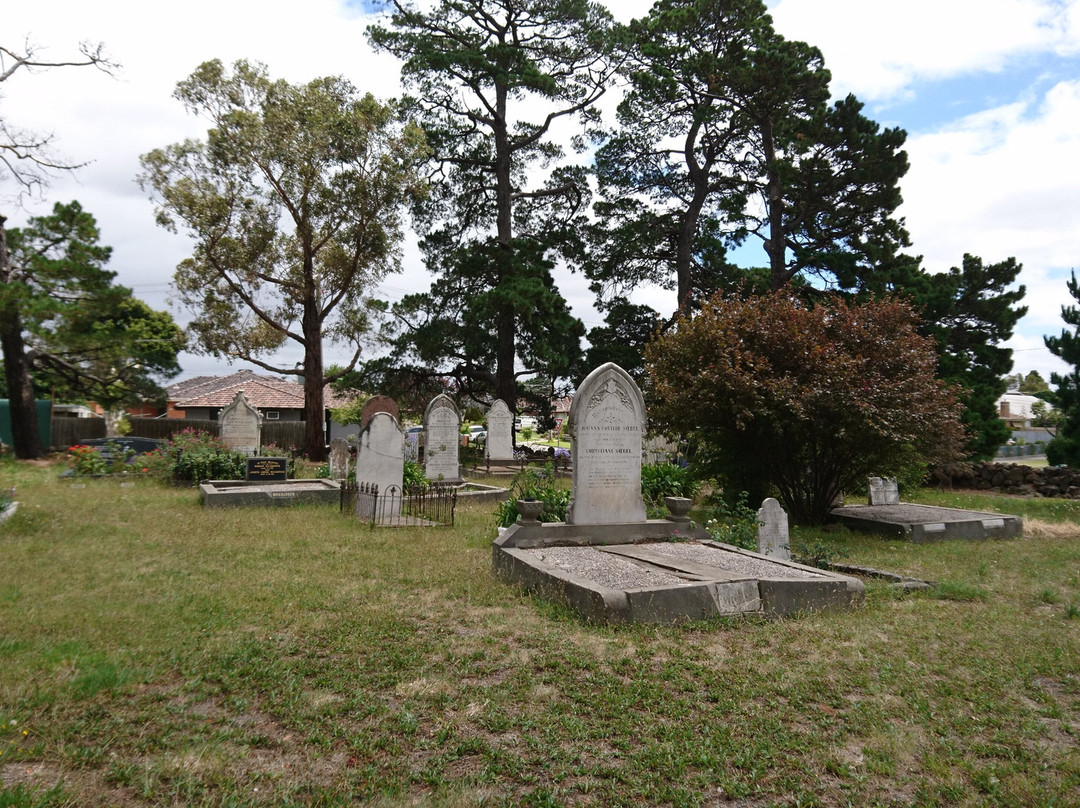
pixel 442 439
pixel 607 422
pixel 267 469
pixel 499 447
pixel 339 459
pixel 241 426
pixel 773 537
pixel 412 447
pixel 380 460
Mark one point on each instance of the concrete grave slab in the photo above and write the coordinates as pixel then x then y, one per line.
pixel 925 523
pixel 231 493
pixel 636 573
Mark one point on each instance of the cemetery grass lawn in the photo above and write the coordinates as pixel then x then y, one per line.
pixel 153 653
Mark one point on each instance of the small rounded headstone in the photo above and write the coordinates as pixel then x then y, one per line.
pixel 376 404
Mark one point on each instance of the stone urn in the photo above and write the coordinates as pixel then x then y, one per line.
pixel 679 508
pixel 529 511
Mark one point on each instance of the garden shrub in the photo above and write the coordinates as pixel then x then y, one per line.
pixel 533 482
pixel 194 455
pixel 659 480
pixel 734 523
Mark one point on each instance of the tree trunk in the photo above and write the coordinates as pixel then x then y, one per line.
pixel 506 325
pixel 314 406
pixel 23 408
pixel 776 244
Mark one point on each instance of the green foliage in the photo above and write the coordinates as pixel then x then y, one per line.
pixel 1033 383
pixel 817 553
pixel 194 455
pixel 1064 449
pixel 414 477
pixel 628 329
pixel 726 133
pixel 209 463
pixel 349 413
pixel 535 483
pixel 86 460
pixel 733 522
pixel 776 394
pixel 659 480
pixel 960 590
pixel 508 206
pixel 969 312
pixel 67 329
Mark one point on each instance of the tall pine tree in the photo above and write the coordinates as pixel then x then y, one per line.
pixel 490 81
pixel 1064 449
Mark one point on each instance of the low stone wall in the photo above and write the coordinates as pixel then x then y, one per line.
pixel 1011 478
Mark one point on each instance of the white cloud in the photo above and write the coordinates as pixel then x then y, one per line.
pixel 878 50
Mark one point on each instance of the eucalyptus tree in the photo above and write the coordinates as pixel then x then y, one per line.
pixel 492 81
pixel 294 203
pixel 727 134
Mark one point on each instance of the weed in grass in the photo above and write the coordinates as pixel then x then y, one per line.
pixel 1072 611
pixel 28 797
pixel 960 590
pixel 1049 596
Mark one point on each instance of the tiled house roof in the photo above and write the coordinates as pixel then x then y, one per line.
pixel 262 392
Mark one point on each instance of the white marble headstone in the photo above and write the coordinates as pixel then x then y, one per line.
pixel 241 426
pixel 607 422
pixel 499 447
pixel 442 439
pixel 773 538
pixel 380 459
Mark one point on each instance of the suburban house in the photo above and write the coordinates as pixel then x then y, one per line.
pixel 1015 409
pixel 276 399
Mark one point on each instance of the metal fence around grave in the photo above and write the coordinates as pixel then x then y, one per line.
pixel 400 507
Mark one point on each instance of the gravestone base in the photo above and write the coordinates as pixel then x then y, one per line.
pixel 658 571
pixel 226 493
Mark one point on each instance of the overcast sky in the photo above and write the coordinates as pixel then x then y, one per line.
pixel 988 91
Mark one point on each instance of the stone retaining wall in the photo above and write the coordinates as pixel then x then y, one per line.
pixel 1011 478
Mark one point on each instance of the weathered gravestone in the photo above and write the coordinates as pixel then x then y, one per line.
pixel 376 404
pixel 380 459
pixel 773 538
pixel 241 426
pixel 442 439
pixel 499 447
pixel 883 491
pixel 339 459
pixel 607 422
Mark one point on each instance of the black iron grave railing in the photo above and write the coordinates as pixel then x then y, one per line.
pixel 431 505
